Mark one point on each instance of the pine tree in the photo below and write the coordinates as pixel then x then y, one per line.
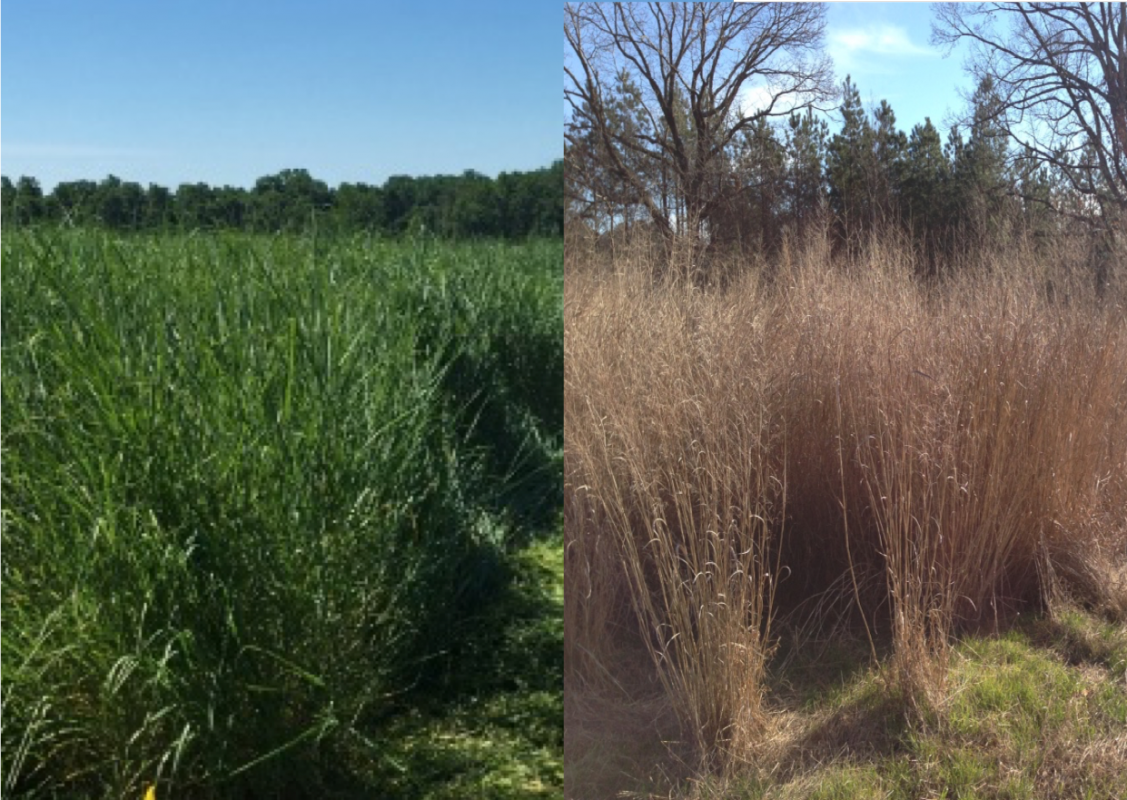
pixel 924 196
pixel 887 165
pixel 849 165
pixel 757 186
pixel 806 189
pixel 981 180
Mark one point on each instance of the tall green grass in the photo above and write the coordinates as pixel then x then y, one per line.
pixel 254 490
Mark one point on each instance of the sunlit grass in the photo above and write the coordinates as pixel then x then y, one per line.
pixel 881 464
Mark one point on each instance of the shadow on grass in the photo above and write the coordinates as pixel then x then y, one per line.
pixel 867 725
pixel 810 674
pixel 510 424
pixel 492 725
pixel 833 706
pixel 1081 638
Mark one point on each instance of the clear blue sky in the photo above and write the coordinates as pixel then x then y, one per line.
pixel 225 91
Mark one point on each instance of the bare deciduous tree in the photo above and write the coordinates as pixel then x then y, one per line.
pixel 693 63
pixel 1061 72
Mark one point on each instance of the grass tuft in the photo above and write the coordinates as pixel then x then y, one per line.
pixel 258 494
pixel 833 443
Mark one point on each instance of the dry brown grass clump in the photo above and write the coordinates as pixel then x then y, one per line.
pixel 933 444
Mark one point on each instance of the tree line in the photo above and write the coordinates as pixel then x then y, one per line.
pixel 662 140
pixel 514 205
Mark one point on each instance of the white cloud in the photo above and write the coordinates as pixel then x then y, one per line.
pixel 757 97
pixel 869 47
pixel 873 49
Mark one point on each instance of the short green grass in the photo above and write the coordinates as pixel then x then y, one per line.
pixel 263 499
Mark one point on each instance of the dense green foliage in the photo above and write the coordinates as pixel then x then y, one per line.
pixel 258 494
pixel 515 205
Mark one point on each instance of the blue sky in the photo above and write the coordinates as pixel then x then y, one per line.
pixel 885 47
pixel 226 91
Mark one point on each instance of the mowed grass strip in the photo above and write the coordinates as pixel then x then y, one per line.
pixel 257 494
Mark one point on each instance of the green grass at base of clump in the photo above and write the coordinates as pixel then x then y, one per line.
pixel 1025 719
pixel 248 510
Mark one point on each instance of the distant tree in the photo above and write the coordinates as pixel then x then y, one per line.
pixel 288 200
pixel 850 168
pixel 7 199
pixel 229 207
pixel 756 187
pixel 27 204
pixel 475 210
pixel 77 202
pixel 433 203
pixel 807 137
pixel 108 203
pixel 472 204
pixel 550 201
pixel 610 199
pixel 399 199
pixel 925 202
pixel 516 199
pixel 980 169
pixel 359 207
pixel 889 146
pixel 1060 74
pixel 192 203
pixel 925 177
pixel 1038 195
pixel 532 203
pixel 132 205
pixel 705 54
pixel 158 207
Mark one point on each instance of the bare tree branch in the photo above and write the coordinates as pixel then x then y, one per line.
pixel 1061 70
pixel 693 61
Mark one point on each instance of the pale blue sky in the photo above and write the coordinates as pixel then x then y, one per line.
pixel 885 47
pixel 225 91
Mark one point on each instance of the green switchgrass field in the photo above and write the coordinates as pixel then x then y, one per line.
pixel 279 516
